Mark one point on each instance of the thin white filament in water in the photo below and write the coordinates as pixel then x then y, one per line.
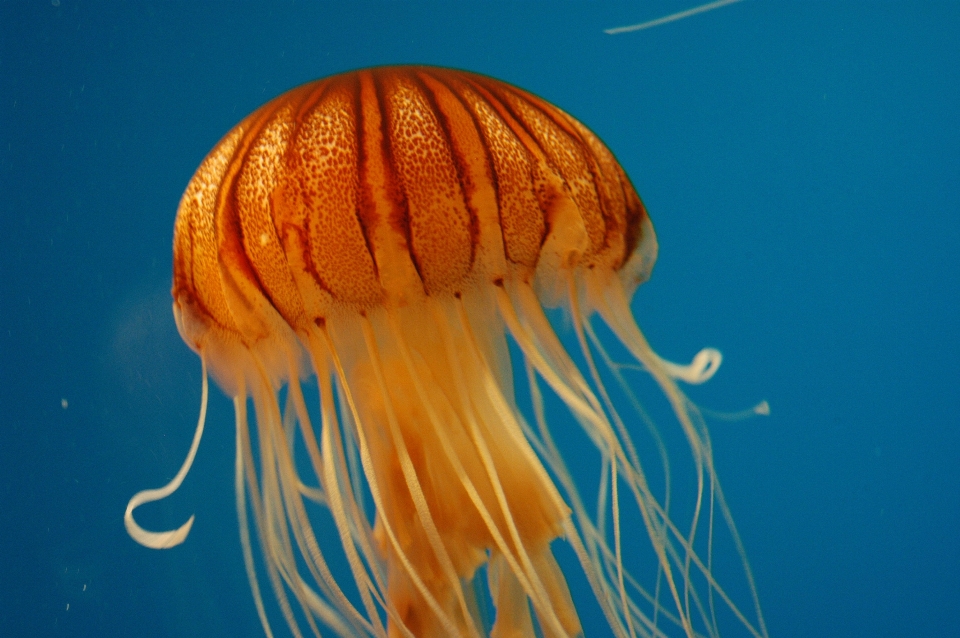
pixel 704 365
pixel 673 17
pixel 760 409
pixel 170 538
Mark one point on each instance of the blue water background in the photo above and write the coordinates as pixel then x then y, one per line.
pixel 801 163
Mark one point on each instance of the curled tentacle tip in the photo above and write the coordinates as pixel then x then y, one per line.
pixel 157 540
pixel 703 366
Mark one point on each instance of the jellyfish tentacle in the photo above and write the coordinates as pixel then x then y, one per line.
pixel 561 376
pixel 705 572
pixel 365 583
pixel 348 526
pixel 761 630
pixel 580 406
pixel 333 471
pixel 287 496
pixel 276 514
pixel 171 538
pixel 614 369
pixel 377 495
pixel 582 327
pixel 760 409
pixel 528 577
pixel 614 310
pixel 265 500
pixel 700 369
pixel 578 321
pixel 513 422
pixel 333 468
pixel 282 511
pixel 291 417
pixel 406 465
pixel 679 15
pixel 589 559
pixel 243 452
pixel 265 492
pixel 590 545
pixel 595 421
pixel 326 470
pixel 298 522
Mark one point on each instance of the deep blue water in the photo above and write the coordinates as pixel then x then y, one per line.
pixel 801 163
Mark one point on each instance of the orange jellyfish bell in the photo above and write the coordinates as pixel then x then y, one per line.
pixel 389 231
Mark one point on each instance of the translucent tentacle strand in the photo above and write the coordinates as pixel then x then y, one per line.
pixel 170 538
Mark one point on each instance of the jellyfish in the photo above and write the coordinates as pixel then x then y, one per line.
pixel 387 234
